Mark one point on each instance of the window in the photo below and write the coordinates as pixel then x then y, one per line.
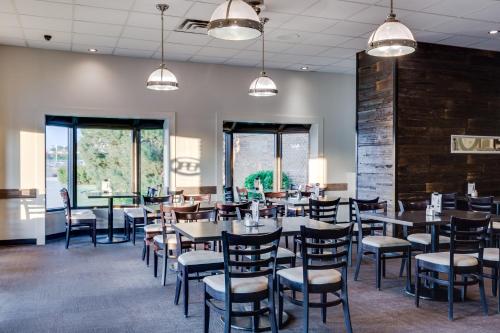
pixel 56 164
pixel 82 153
pixel 295 157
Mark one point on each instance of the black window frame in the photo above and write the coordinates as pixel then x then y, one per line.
pixel 74 123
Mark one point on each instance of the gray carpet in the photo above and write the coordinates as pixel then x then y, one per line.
pixel 109 289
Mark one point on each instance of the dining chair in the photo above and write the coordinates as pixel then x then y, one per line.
pixel 324 252
pixel 285 256
pixel 467 239
pixel 481 204
pixel 78 219
pixel 228 211
pixel 374 226
pixel 193 262
pixel 197 197
pixel 268 196
pixel 246 281
pixel 152 227
pixel 177 195
pixel 449 201
pixel 165 242
pixel 228 194
pixel 242 194
pixel 134 217
pixel 379 247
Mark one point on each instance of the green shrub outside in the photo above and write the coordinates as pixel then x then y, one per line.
pixel 266 179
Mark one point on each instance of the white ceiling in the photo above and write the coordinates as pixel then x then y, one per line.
pixel 322 34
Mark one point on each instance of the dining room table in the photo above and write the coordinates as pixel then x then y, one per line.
pixel 155 208
pixel 417 219
pixel 199 232
pixel 111 238
pixel 302 203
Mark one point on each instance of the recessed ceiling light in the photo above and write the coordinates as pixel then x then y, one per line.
pixel 304 68
pixel 93 50
pixel 493 32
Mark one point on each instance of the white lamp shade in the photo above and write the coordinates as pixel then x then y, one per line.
pixel 391 39
pixel 263 86
pixel 162 79
pixel 241 23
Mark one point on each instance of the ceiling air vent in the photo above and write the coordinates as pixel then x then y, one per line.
pixel 193 26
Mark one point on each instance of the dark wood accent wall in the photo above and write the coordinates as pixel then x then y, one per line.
pixel 438 91
pixel 375 128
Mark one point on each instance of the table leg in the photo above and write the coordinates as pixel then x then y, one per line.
pixel 110 238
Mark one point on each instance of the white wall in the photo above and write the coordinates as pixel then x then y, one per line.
pixel 35 82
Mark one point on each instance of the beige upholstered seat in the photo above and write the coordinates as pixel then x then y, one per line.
pixel 490 254
pixel 496 225
pixel 200 257
pixel 238 285
pixel 134 213
pixel 315 276
pixel 443 258
pixel 156 228
pixel 282 253
pixel 83 214
pixel 384 241
pixel 426 239
pixel 171 240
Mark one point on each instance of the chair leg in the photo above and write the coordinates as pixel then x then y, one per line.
pixel 144 251
pixel 483 295
pixel 408 270
pixel 323 309
pixel 94 234
pixel 227 318
pixel 178 286
pixel 286 242
pixel 206 313
pixel 349 254
pixel 272 311
pixel 185 280
pixel 451 287
pixel 382 258
pixel 498 287
pixel 68 234
pixel 378 269
pixel 358 262
pixel 494 283
pixel 148 251
pixel 306 312
pixel 164 266
pixel 464 288
pixel 402 267
pixel 155 264
pixel 345 307
pixel 134 232
pixel 280 304
pixel 255 319
pixel 417 284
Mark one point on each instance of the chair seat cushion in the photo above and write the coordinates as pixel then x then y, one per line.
pixel 238 285
pixel 443 258
pixel 134 213
pixel 496 225
pixel 200 257
pixel 171 240
pixel 82 214
pixel 156 228
pixel 281 253
pixel 384 241
pixel 490 254
pixel 325 276
pixel 426 239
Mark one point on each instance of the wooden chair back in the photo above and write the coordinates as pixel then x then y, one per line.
pixel 368 227
pixel 197 197
pixel 352 211
pixel 67 204
pixel 481 204
pixel 265 212
pixel 228 194
pixel 242 194
pixel 408 205
pixel 228 211
pixel 468 236
pixel 324 210
pixel 449 200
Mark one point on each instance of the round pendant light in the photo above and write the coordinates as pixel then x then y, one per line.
pixel 162 78
pixel 234 20
pixel 391 39
pixel 263 86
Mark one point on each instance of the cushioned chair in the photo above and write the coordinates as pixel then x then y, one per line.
pixel 239 285
pixel 467 237
pixel 151 227
pixel 329 250
pixel 228 211
pixel 449 201
pixel 242 194
pixel 370 228
pixel 137 217
pixel 193 262
pixel 481 204
pixel 78 219
pixel 379 247
pixel 166 242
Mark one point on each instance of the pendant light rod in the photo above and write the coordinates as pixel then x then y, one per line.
pixel 162 8
pixel 263 21
pixel 392 9
pixel 228 8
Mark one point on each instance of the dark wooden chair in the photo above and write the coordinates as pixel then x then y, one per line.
pixel 228 194
pixel 370 228
pixel 135 218
pixel 78 219
pixel 449 201
pixel 242 194
pixel 194 262
pixel 152 227
pixel 165 242
pixel 198 197
pixel 228 211
pixel 329 250
pixel 491 260
pixel 248 281
pixel 468 238
pixel 269 196
pixel 264 212
pixel 379 248
pixel 481 204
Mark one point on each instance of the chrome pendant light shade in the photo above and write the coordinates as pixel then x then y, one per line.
pixel 162 78
pixel 234 20
pixel 391 39
pixel 263 86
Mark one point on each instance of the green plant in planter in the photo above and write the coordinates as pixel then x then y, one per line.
pixel 266 179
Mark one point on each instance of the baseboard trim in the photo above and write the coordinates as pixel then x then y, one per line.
pixel 61 235
pixel 28 241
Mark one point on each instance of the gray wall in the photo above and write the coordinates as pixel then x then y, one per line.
pixel 36 82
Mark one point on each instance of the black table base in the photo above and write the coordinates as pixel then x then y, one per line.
pixel 112 240
pixel 437 294
pixel 245 323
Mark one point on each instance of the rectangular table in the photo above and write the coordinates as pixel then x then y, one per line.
pixel 304 202
pixel 155 208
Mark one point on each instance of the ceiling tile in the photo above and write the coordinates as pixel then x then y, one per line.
pixel 176 7
pixel 228 44
pixel 208 60
pixel 338 52
pixel 133 53
pixel 465 27
pixel 174 57
pixel 424 21
pixel 35 22
pixel 289 6
pixel 9 20
pixel 286 58
pixel 136 44
pixel 490 44
pixel 93 28
pixel 408 4
pixel 352 29
pixel 201 11
pixel 181 48
pixel 101 15
pixel 298 67
pixel 94 40
pixel 375 15
pixel 85 49
pixel 458 7
pixel 51 46
pixel 429 36
pixel 334 9
pixel 242 62
pixel 11 32
pixel 277 19
pixel 153 21
pixel 319 61
pixel 464 41
pixel 308 23
pixel 43 8
pixel 6 6
pixel 217 52
pixel 326 40
pixel 57 36
pixel 113 4
pixel 306 49
pixel 355 43
pixel 187 38
pixel 490 13
pixel 142 33
pixel 288 36
pixel 253 55
pixel 12 41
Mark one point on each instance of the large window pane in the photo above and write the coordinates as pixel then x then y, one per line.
pixel 151 158
pixel 103 154
pixel 56 159
pixel 253 153
pixel 295 157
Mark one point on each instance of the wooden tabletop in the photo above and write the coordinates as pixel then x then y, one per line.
pixel 419 218
pixel 107 195
pixel 155 208
pixel 211 231
pixel 304 201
